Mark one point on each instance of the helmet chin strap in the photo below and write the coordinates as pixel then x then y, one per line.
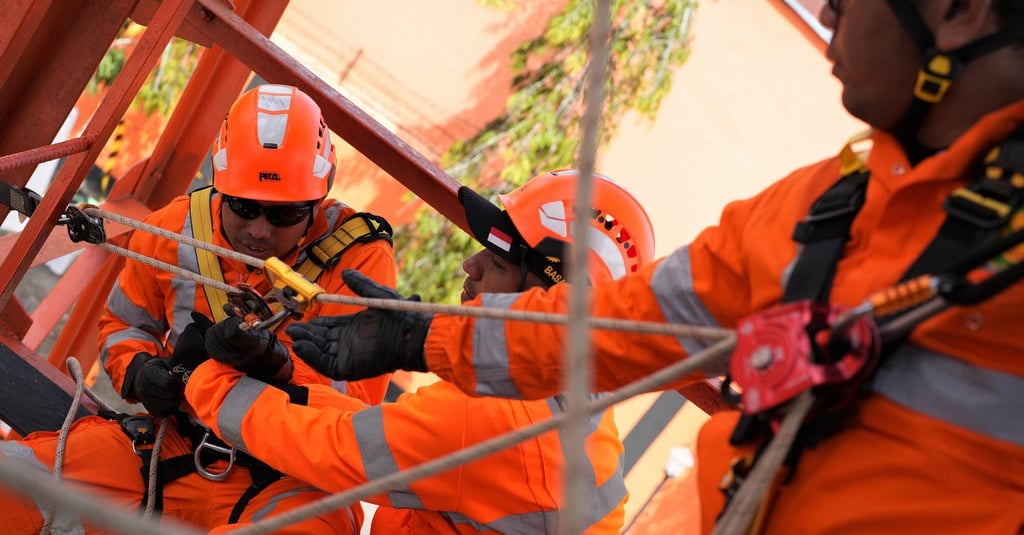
pixel 938 67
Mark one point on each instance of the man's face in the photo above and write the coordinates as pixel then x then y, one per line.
pixel 486 272
pixel 874 58
pixel 264 229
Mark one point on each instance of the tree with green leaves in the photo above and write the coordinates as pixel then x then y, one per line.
pixel 165 84
pixel 540 129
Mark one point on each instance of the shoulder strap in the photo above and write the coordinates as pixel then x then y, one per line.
pixel 325 253
pixel 979 211
pixel 823 233
pixel 209 263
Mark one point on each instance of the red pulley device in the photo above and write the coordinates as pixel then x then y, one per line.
pixel 783 351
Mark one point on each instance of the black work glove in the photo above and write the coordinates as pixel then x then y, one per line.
pixel 190 350
pixel 256 353
pixel 149 381
pixel 367 344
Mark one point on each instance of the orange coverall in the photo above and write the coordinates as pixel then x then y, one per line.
pixel 146 305
pixel 938 444
pixel 336 443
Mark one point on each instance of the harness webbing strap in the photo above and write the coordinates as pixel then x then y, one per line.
pixel 979 211
pixel 324 253
pixel 209 263
pixel 22 200
pixel 823 234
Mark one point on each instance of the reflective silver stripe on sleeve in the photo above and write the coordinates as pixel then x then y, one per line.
pixel 490 351
pixel 672 285
pixel 236 404
pixel 64 522
pixel 606 497
pixel 184 289
pixel 122 335
pixel 378 461
pixel 142 324
pixel 985 401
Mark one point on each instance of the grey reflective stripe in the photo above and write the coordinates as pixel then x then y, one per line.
pixel 978 399
pixel 672 285
pixel 131 333
pixel 605 497
pixel 64 522
pixel 536 523
pixel 340 386
pixel 377 458
pixel 236 404
pixel 142 324
pixel 490 351
pixel 184 289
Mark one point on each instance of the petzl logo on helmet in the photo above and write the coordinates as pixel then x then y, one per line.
pixel 500 239
pixel 269 177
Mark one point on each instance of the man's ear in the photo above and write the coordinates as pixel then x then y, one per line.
pixel 959 22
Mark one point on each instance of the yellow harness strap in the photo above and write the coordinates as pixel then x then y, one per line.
pixel 325 253
pixel 209 263
pixel 319 256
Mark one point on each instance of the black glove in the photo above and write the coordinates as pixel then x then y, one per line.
pixel 149 381
pixel 367 344
pixel 257 353
pixel 190 349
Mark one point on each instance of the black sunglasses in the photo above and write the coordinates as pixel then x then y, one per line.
pixel 284 215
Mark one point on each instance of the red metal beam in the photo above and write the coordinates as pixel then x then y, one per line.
pixel 364 133
pixel 124 89
pixel 45 65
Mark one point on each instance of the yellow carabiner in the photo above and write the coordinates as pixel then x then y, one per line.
pixel 294 292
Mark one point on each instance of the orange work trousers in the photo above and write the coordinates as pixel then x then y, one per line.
pixel 99 458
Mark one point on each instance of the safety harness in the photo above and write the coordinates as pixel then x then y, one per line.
pixel 976 214
pixel 320 255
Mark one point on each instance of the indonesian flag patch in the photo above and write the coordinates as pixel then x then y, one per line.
pixel 500 239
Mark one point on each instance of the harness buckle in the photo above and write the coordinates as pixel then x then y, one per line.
pixel 140 430
pixel 204 444
pixel 935 76
pixel 974 206
pixel 832 213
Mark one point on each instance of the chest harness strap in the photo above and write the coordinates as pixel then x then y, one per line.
pixel 975 213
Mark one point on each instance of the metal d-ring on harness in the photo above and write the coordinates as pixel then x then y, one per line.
pixel 205 444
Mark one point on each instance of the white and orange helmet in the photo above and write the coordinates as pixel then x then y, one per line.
pixel 274 146
pixel 536 226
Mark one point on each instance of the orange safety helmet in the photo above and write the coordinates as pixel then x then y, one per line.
pixel 274 146
pixel 537 226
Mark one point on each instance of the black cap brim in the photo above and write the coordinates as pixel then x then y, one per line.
pixel 491 225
